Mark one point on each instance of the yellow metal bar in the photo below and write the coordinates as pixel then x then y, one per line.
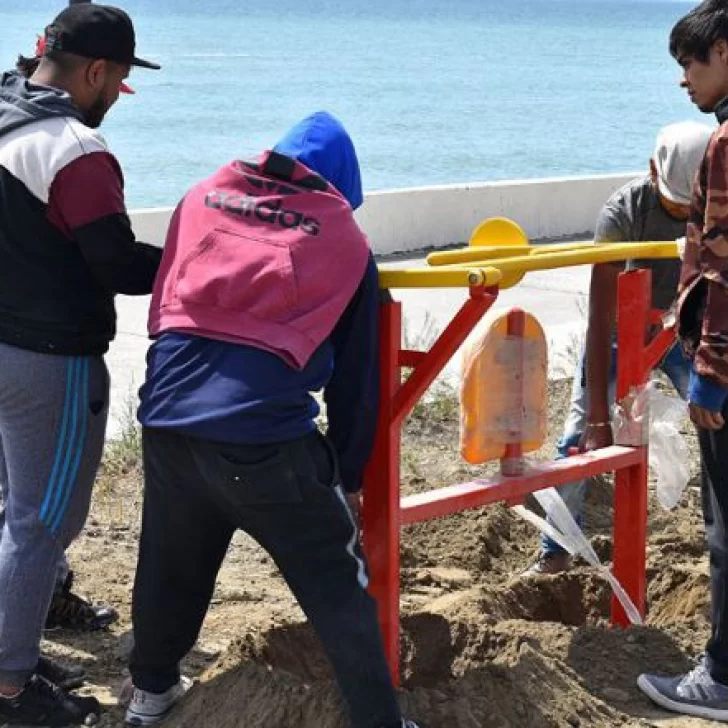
pixel 594 254
pixel 563 247
pixel 490 252
pixel 469 255
pixel 438 277
pixel 490 272
pixel 477 254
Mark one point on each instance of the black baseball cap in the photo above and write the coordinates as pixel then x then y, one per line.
pixel 95 31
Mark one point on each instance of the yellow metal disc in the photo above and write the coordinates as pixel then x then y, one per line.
pixel 500 232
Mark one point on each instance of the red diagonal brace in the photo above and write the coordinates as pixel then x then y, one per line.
pixel 657 348
pixel 455 333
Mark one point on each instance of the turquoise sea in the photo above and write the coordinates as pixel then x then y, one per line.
pixel 433 92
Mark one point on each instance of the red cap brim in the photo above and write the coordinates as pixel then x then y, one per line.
pixel 125 88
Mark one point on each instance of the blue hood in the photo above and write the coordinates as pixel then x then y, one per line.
pixel 321 143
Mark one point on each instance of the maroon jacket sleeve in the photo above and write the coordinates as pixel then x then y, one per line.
pixel 86 203
pixel 703 291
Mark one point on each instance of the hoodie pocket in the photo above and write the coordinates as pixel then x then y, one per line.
pixel 241 272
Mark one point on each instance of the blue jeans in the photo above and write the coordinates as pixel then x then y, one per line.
pixel 677 369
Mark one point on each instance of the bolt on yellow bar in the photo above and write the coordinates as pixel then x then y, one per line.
pixel 438 277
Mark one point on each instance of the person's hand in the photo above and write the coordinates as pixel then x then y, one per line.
pixel 705 418
pixel 596 437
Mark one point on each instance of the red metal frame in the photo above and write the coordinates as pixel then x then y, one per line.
pixel 630 484
pixel 384 512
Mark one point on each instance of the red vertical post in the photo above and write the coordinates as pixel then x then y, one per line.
pixel 380 508
pixel 512 462
pixel 630 494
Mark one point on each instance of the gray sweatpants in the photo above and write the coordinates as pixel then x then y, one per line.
pixel 53 412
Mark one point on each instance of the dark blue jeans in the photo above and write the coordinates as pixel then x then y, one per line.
pixel 714 482
pixel 288 497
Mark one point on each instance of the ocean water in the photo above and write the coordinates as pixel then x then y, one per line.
pixel 432 92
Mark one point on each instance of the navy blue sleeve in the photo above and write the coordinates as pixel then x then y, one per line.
pixel 352 395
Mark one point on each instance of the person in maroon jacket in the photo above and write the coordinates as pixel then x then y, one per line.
pixel 699 43
pixel 66 249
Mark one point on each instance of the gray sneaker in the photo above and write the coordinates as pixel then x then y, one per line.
pixel 147 708
pixel 695 693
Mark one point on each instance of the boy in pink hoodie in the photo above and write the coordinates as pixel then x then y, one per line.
pixel 267 292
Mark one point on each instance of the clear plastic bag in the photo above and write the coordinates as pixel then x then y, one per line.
pixel 669 453
pixel 646 414
pixel 631 420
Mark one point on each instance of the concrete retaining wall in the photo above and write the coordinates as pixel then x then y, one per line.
pixel 424 217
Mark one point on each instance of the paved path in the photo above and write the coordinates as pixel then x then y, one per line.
pixel 557 298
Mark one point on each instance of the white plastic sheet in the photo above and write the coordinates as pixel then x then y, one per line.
pixel 566 532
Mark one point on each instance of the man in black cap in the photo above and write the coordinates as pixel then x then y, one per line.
pixel 66 248
pixel 68 610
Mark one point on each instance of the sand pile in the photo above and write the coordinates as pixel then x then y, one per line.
pixel 482 645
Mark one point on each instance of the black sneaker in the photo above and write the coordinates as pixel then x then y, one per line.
pixel 66 677
pixel 43 704
pixel 70 611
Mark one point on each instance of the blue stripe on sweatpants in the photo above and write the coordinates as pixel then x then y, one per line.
pixel 61 443
pixel 70 445
pixel 70 483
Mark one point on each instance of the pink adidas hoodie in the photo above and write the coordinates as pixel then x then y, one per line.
pixel 266 254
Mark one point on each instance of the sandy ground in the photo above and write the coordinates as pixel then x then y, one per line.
pixel 482 645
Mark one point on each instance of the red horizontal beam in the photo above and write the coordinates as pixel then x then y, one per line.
pixel 455 498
